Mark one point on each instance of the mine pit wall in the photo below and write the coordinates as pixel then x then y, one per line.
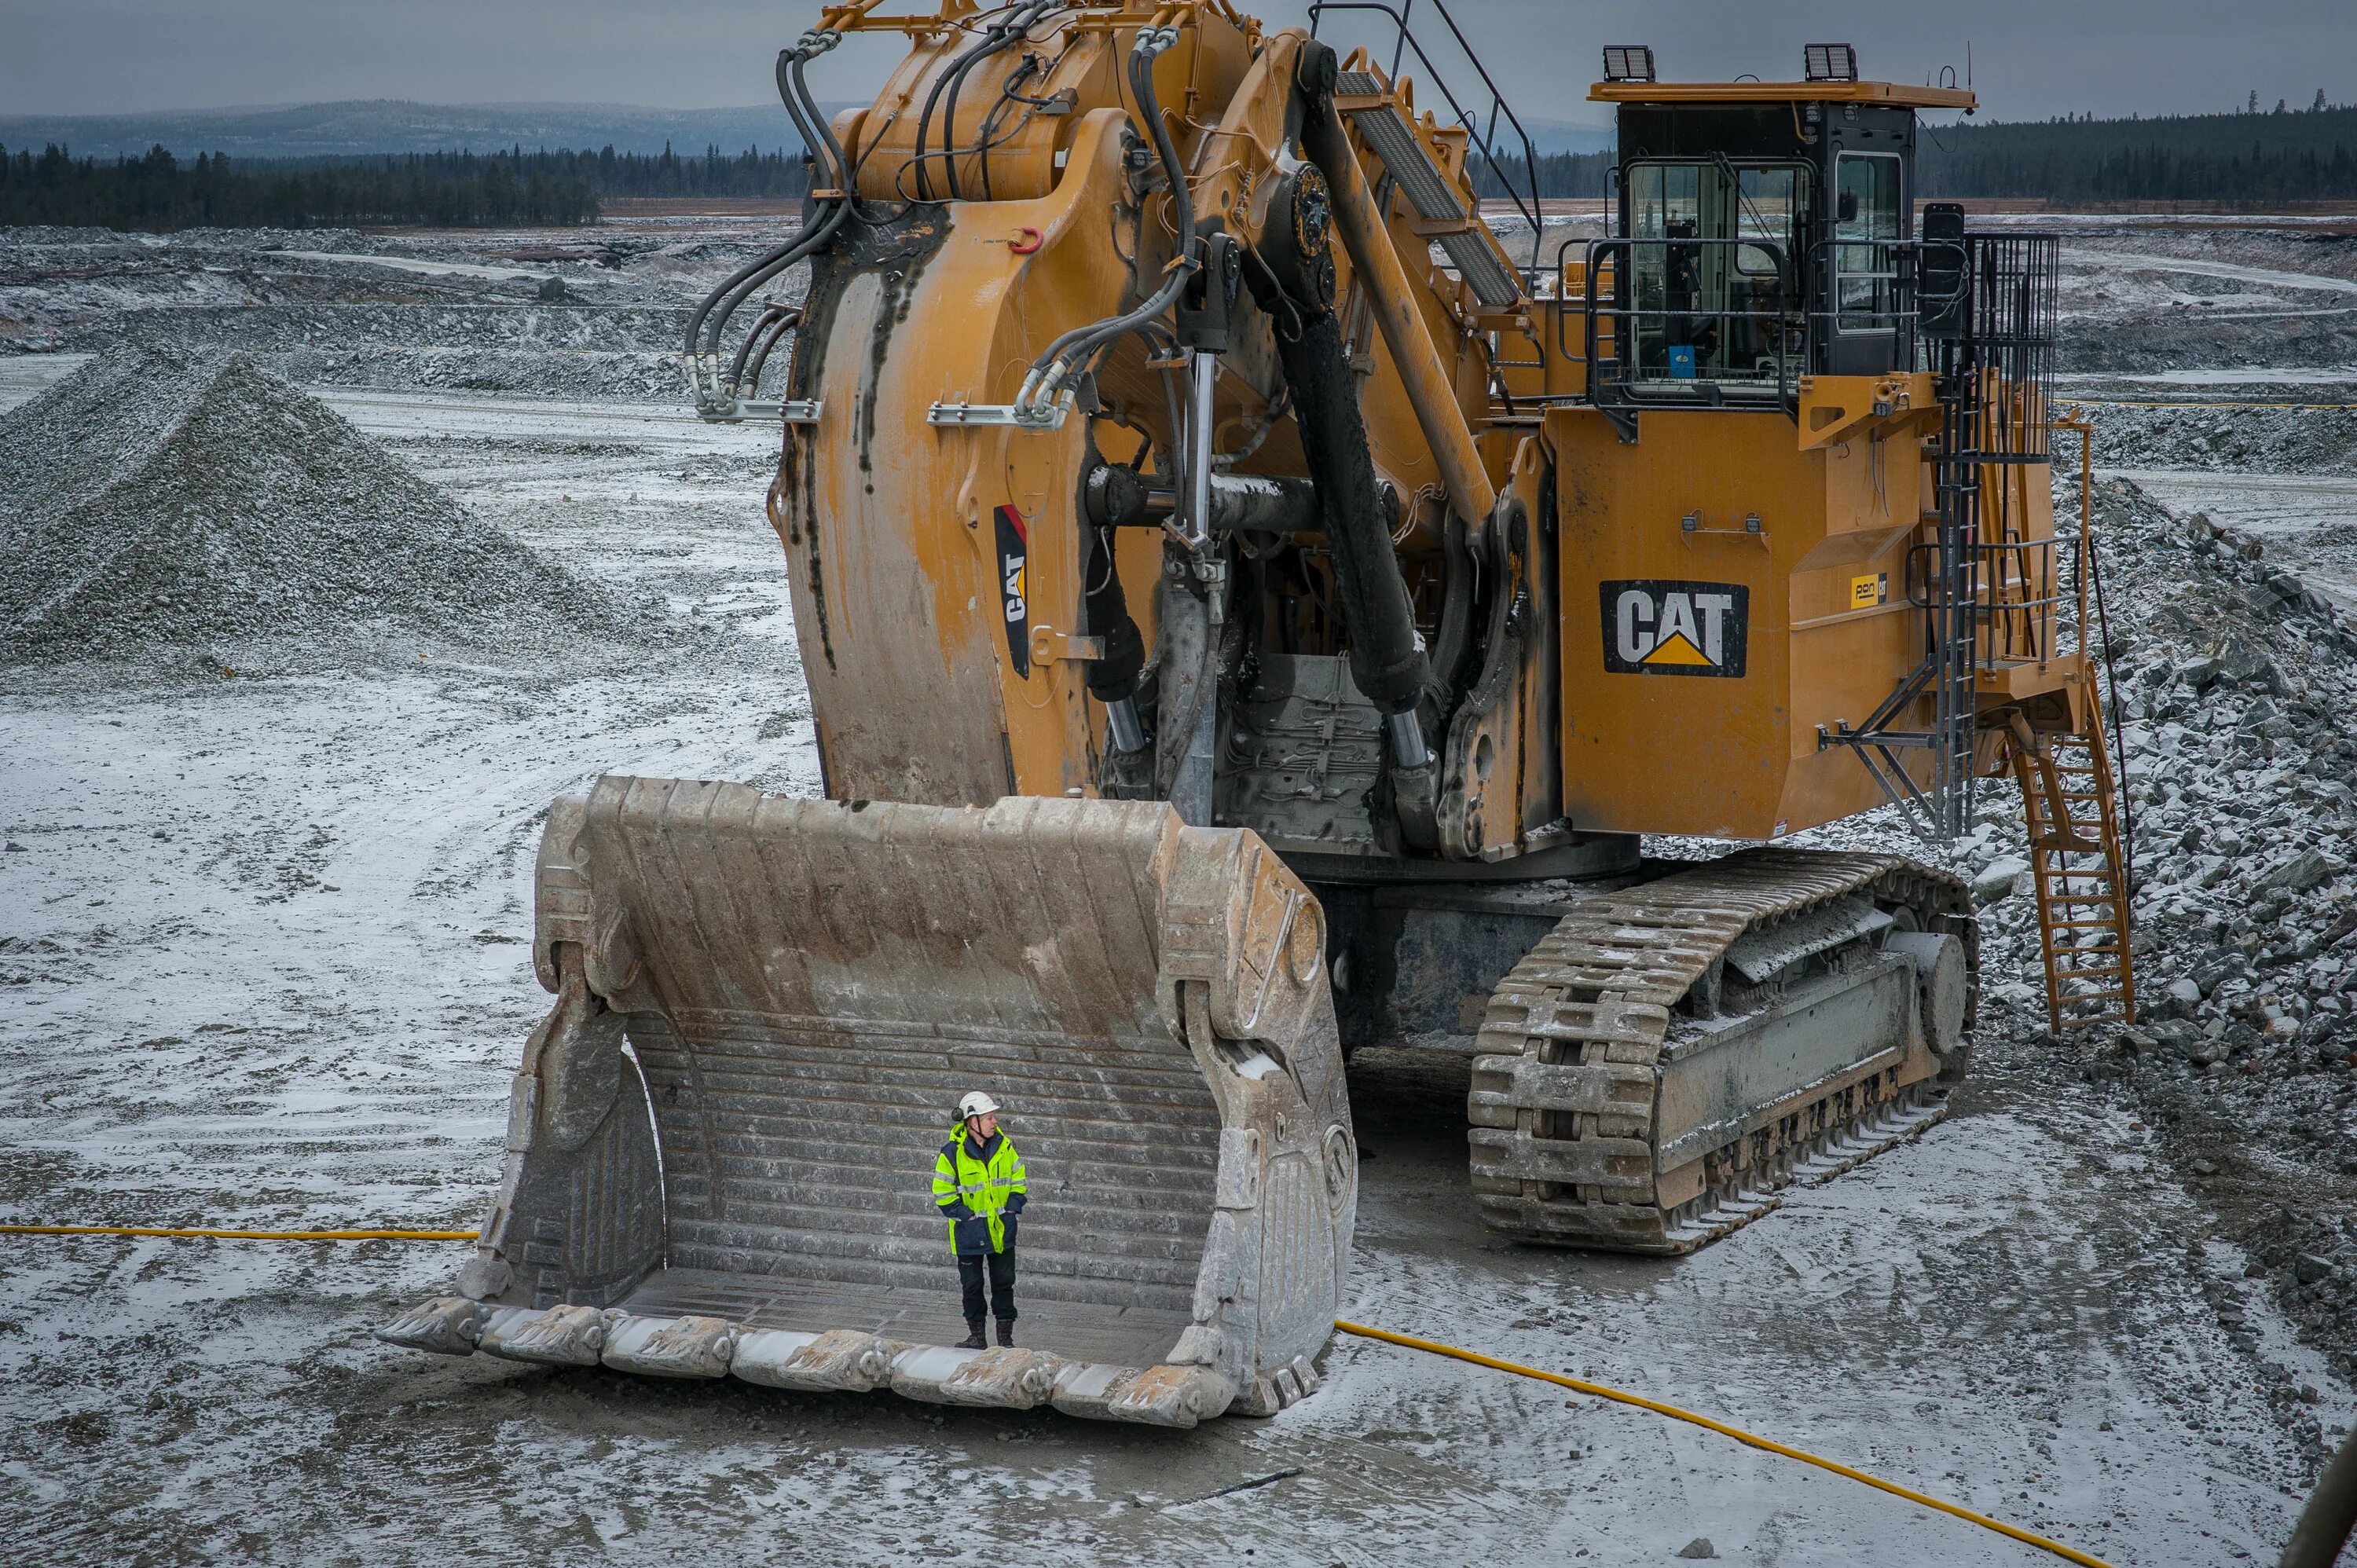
pixel 1721 741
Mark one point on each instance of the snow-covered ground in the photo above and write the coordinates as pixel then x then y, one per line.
pixel 262 963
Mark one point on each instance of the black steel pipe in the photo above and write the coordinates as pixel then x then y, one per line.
pixel 2332 1512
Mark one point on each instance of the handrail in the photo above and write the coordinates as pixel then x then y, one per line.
pixel 1617 370
pixel 1406 40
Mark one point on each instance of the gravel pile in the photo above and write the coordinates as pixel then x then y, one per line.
pixel 2235 682
pixel 603 321
pixel 582 354
pixel 2264 440
pixel 157 502
pixel 2241 752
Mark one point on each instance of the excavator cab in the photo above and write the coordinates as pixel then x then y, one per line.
pixel 1765 232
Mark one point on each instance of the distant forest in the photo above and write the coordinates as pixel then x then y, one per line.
pixel 158 193
pixel 2258 158
pixel 2254 160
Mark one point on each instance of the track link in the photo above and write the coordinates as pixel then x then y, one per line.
pixel 1566 1096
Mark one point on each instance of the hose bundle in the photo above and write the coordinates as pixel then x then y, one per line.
pixel 1067 354
pixel 710 318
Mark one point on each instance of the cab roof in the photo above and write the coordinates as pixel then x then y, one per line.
pixel 1887 94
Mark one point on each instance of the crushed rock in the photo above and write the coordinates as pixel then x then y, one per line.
pixel 2240 746
pixel 2235 682
pixel 160 501
pixel 2285 440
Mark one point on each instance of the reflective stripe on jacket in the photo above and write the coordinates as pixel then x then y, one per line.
pixel 979 1191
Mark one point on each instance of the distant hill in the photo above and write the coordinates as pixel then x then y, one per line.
pixel 401 125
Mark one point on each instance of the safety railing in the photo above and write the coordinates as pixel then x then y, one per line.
pixel 1677 353
pixel 1484 129
pixel 2018 589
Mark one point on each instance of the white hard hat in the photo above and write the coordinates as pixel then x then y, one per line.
pixel 976 1103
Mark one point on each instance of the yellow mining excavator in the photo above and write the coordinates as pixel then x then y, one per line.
pixel 1258 579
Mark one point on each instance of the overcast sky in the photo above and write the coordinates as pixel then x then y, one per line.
pixel 2031 59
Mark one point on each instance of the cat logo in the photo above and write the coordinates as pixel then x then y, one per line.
pixel 1014 548
pixel 1654 627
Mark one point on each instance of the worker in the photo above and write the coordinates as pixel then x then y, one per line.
pixel 978 1186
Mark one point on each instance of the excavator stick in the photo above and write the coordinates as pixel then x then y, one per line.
pixel 721 1140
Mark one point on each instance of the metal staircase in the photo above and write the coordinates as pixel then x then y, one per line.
pixel 2071 801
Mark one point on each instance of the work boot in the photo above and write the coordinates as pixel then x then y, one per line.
pixel 1005 1332
pixel 974 1339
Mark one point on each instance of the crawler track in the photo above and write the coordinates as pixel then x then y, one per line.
pixel 1579 1038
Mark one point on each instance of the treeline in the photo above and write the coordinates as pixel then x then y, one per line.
pixel 2254 159
pixel 2231 160
pixel 157 192
pixel 1560 173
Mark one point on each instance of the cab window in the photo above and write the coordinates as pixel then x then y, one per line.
pixel 1866 238
pixel 1710 300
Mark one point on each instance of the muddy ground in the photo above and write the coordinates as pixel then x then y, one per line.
pixel 262 963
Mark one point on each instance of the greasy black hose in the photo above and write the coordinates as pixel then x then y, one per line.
pixel 2324 1523
pixel 1112 675
pixel 1019 20
pixel 731 296
pixel 794 110
pixel 1388 666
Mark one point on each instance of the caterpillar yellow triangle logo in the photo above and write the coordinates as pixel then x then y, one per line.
pixel 1675 649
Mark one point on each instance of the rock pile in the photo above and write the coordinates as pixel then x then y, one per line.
pixel 161 501
pixel 2287 440
pixel 2235 682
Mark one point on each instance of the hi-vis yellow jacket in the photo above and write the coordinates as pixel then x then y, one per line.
pixel 980 1190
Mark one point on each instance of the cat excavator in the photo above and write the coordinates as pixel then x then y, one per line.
pixel 1261 575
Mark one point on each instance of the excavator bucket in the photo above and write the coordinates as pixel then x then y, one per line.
pixel 721 1141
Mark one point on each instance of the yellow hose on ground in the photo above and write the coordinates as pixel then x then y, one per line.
pixel 1431 1346
pixel 1600 1392
pixel 241 1235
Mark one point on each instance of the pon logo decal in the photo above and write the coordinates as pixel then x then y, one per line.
pixel 1871 590
pixel 1656 626
pixel 1014 548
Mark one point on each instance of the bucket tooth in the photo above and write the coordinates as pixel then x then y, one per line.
pixel 1005 1376
pixel 557 1337
pixel 447 1326
pixel 671 1346
pixel 840 1360
pixel 721 1140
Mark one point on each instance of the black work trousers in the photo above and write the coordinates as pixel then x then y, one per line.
pixel 1001 1284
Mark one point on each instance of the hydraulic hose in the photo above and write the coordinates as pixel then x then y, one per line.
pixel 1425 377
pixel 775 323
pixel 1016 25
pixel 704 326
pixel 1388 666
pixel 1057 360
pixel 992 40
pixel 787 59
